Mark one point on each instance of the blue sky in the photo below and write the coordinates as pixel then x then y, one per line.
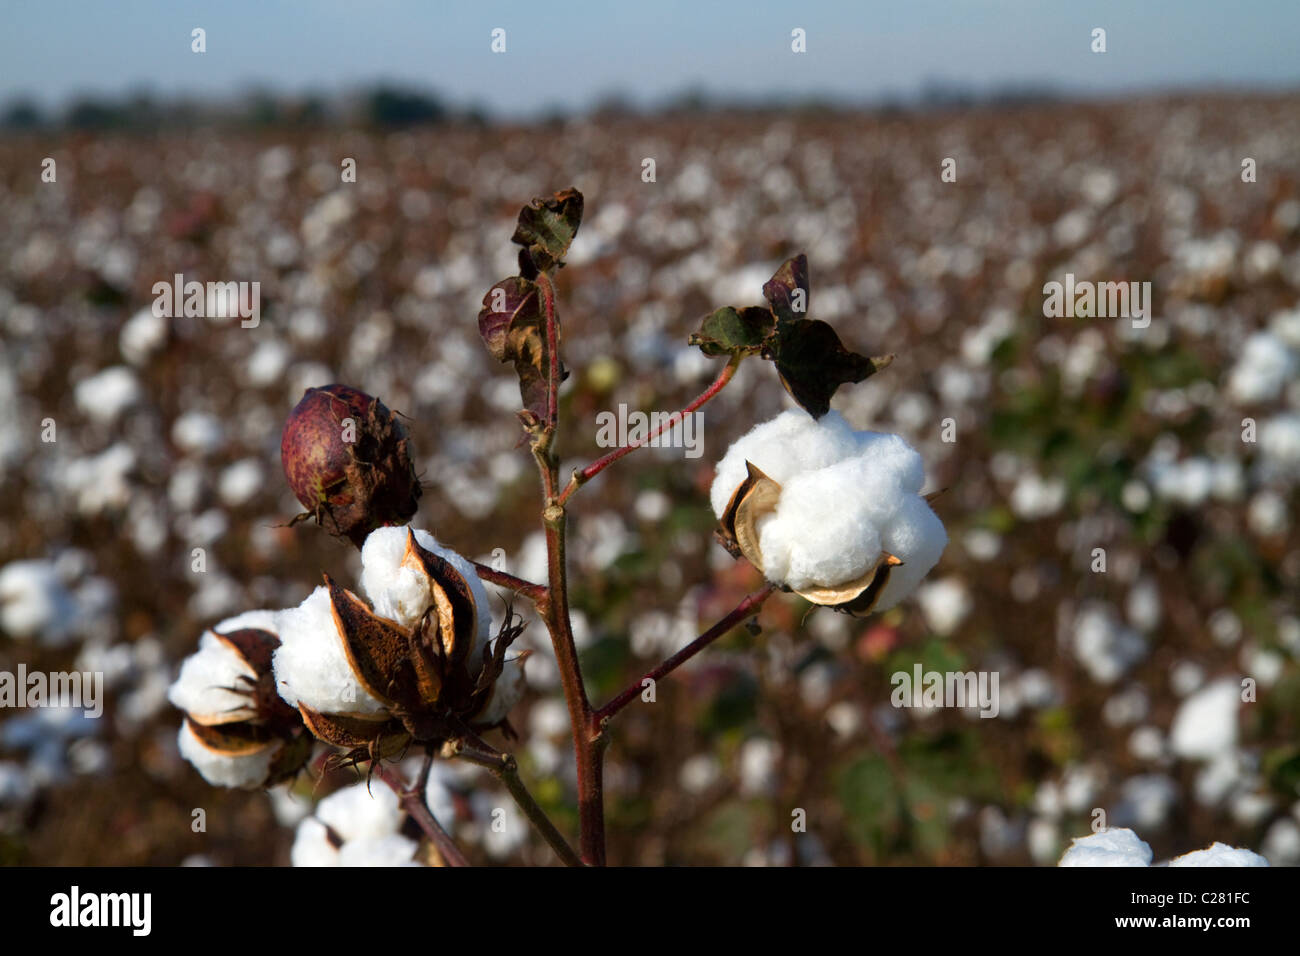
pixel 570 53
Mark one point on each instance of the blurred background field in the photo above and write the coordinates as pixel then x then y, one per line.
pixel 1071 434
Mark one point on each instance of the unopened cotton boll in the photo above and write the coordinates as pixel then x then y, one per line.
pixel 847 501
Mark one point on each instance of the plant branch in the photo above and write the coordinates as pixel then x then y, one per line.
pixel 581 477
pixel 742 610
pixel 413 800
pixel 506 769
pixel 534 592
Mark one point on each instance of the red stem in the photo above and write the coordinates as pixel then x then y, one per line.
pixel 413 801
pixel 580 478
pixel 552 348
pixel 742 610
pixel 534 592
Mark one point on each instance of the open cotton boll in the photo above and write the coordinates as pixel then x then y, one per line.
pixel 1206 722
pixel 391 850
pixel 792 443
pixel 312 846
pixel 360 812
pixel 1264 368
pixel 402 594
pixel 208 681
pixel 310 663
pixel 1109 847
pixel 1220 854
pixel 845 498
pixel 247 771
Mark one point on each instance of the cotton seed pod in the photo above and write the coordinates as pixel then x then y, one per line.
pixel 426 677
pixel 348 460
pixel 739 532
pixel 237 731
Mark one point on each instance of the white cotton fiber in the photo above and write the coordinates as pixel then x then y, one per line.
pixel 201 689
pixel 312 846
pixel 508 691
pixel 361 812
pixel 402 593
pixel 106 395
pixel 1219 854
pixel 845 497
pixel 392 850
pixel 1206 722
pixel 247 772
pixel 1109 847
pixel 310 663
pixel 1263 369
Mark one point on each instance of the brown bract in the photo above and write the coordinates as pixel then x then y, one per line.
pixel 348 460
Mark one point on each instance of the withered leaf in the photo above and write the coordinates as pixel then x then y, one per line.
pixel 813 363
pixel 546 228
pixel 376 648
pixel 731 331
pixel 513 327
pixel 788 290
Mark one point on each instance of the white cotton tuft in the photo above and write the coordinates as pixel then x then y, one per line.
pixel 1263 369
pixel 310 663
pixel 1205 725
pixel 312 846
pixel 1109 847
pixel 361 812
pixel 34 602
pixel 209 679
pixel 506 692
pixel 846 496
pixel 944 604
pixel 391 850
pixel 401 593
pixel 106 395
pixel 1219 854
pixel 246 772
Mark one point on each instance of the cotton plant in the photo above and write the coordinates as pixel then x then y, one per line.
pixel 410 662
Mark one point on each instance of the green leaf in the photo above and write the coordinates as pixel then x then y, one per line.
pixel 546 228
pixel 729 331
pixel 813 363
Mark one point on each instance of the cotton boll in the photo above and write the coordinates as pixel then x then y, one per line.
pixel 1206 722
pixel 1264 367
pixel 247 772
pixel 311 665
pixel 402 593
pixel 1110 847
pixel 105 396
pixel 944 604
pixel 391 850
pixel 312 846
pixel 360 812
pixel 790 444
pixel 1219 854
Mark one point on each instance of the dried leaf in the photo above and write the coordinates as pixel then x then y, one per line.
pixel 513 327
pixel 813 363
pixel 730 331
pixel 547 227
pixel 788 289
